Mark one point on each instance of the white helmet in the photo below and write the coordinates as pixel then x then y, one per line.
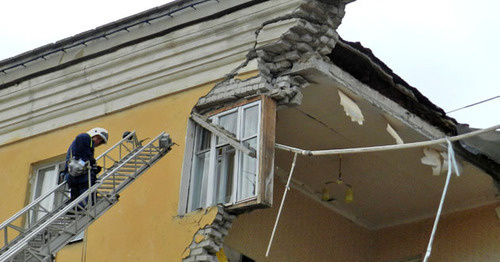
pixel 103 133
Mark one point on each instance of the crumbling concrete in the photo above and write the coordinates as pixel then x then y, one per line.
pixel 208 240
pixel 313 34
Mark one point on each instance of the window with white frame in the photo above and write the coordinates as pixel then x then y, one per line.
pixel 45 178
pixel 217 172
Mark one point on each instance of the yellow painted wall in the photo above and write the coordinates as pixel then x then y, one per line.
pixel 143 225
pixel 306 231
pixel 472 235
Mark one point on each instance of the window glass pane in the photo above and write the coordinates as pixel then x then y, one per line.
pixel 219 172
pixel 250 121
pixel 198 189
pixel 248 176
pixel 45 181
pixel 229 122
pixel 224 174
pixel 204 137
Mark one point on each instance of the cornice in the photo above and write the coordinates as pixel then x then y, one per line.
pixel 196 54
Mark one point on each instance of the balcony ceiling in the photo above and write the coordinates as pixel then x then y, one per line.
pixel 391 187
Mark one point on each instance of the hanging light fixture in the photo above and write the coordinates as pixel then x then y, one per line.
pixel 339 179
pixel 349 194
pixel 325 195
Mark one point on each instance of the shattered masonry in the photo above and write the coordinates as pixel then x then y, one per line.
pixel 208 240
pixel 312 35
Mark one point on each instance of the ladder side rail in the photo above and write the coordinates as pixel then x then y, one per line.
pixel 79 225
pixel 37 231
pixel 130 138
pixel 74 204
pixel 111 174
pixel 32 205
pixel 94 189
pixel 136 153
pixel 24 213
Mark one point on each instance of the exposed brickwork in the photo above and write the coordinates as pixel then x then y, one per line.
pixel 313 33
pixel 208 241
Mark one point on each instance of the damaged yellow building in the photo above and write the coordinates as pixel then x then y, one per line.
pixel 239 85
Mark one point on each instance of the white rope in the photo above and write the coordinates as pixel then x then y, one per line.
pixel 451 164
pixel 383 148
pixel 282 202
pixel 83 257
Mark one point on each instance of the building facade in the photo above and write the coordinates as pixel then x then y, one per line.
pixel 231 81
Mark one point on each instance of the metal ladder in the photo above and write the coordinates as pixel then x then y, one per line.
pixel 41 239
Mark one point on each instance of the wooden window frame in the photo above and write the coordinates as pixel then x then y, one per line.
pixel 264 153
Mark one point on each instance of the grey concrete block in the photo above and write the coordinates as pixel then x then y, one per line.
pixel 306 38
pixel 189 259
pixel 205 258
pixel 292 55
pixel 312 28
pixel 197 251
pixel 291 36
pixel 303 47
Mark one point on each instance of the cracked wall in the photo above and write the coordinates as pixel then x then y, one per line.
pixel 312 34
pixel 208 240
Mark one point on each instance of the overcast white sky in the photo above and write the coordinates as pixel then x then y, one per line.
pixel 447 49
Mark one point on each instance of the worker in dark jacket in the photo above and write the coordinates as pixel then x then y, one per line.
pixel 80 159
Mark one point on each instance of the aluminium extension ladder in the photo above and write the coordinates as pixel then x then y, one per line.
pixel 40 239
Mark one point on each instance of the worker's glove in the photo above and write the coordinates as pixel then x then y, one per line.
pixel 96 169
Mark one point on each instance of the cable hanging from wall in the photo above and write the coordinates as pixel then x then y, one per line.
pixel 452 167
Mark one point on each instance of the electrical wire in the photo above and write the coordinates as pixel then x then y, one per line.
pixel 383 148
pixel 452 163
pixel 475 104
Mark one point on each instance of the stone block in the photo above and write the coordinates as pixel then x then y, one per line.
pixel 219 218
pixel 263 68
pixel 303 47
pixel 306 38
pixel 264 87
pixel 324 39
pixel 284 44
pixel 214 233
pixel 189 259
pixel 277 94
pixel 228 225
pixel 331 33
pixel 279 58
pixel 292 55
pixel 282 84
pixel 264 55
pixel 291 36
pixel 284 65
pixel 311 28
pixel 205 258
pixel 325 50
pixel 331 43
pixel 208 244
pixel 197 251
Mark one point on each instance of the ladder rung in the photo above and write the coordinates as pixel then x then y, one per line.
pixel 133 161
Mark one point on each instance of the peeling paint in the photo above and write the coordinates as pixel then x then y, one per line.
pixel 207 241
